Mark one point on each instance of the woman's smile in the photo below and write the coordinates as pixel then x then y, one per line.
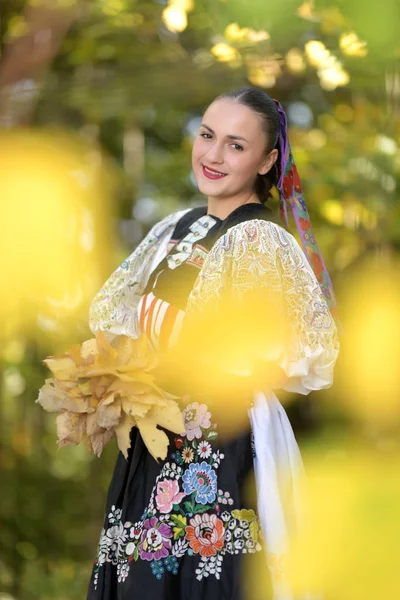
pixel 212 173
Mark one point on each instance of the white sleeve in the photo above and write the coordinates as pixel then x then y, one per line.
pixel 257 255
pixel 114 308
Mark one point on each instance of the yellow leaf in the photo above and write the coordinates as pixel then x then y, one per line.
pixel 130 388
pixel 78 405
pixel 100 439
pixel 100 385
pixel 75 353
pixel 51 396
pixel 63 367
pixel 84 388
pixel 102 343
pixel 254 530
pixel 155 439
pixel 70 428
pixel 92 426
pixel 88 349
pixel 136 409
pixel 122 432
pixel 169 417
pixel 109 414
pixel 244 515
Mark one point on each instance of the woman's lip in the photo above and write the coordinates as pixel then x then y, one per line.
pixel 218 175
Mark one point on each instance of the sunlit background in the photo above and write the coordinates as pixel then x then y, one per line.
pixel 100 101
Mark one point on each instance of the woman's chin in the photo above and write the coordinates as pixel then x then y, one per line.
pixel 210 189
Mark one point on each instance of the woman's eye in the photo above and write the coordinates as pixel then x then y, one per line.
pixel 204 134
pixel 238 146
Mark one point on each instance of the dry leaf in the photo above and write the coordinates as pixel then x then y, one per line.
pixel 102 387
pixel 70 428
pixel 169 417
pixel 63 367
pixel 51 396
pixel 100 439
pixel 109 412
pixel 122 432
pixel 135 409
pixel 155 439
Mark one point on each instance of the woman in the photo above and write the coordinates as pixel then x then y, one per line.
pixel 180 528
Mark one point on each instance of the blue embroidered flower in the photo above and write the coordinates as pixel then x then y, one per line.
pixel 200 478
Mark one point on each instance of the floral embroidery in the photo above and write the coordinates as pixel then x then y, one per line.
pixel 183 516
pixel 202 480
pixel 187 455
pixel 205 534
pixel 155 542
pixel 167 495
pixel 196 416
pixel 204 450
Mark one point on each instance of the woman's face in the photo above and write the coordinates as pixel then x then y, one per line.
pixel 232 144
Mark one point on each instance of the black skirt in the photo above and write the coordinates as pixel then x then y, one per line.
pixel 181 529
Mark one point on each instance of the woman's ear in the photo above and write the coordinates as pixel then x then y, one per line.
pixel 269 162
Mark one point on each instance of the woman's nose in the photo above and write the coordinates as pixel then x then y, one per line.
pixel 216 153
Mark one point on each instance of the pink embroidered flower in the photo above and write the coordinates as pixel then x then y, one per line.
pixel 196 416
pixel 168 494
pixel 205 534
pixel 155 543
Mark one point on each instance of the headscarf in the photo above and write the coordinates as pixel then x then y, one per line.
pixel 290 192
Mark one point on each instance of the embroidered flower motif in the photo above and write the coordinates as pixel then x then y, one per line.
pixel 304 224
pixel 136 531
pixel 122 571
pixel 179 442
pixel 168 494
pixel 155 543
pixel 115 514
pixel 317 266
pixel 205 534
pixel 217 457
pixel 187 455
pixel 224 498
pixel 130 548
pixel 196 416
pixel 204 449
pixel 115 534
pixel 201 478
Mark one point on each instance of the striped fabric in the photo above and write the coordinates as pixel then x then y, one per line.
pixel 159 320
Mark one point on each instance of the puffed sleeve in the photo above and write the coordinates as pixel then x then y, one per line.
pixel 114 308
pixel 257 255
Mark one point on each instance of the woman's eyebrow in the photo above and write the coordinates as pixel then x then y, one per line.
pixel 231 137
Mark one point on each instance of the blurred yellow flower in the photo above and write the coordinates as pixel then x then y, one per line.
pixel 351 45
pixel 295 61
pixel 234 33
pixel 317 53
pixel 224 52
pixel 175 18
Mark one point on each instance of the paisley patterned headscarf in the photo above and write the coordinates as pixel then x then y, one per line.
pixel 290 193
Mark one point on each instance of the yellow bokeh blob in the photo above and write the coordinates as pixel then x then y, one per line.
pixel 53 207
pixel 348 549
pixel 368 375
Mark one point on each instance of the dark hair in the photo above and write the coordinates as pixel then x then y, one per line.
pixel 264 106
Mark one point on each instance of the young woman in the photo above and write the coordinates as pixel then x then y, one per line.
pixel 179 529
